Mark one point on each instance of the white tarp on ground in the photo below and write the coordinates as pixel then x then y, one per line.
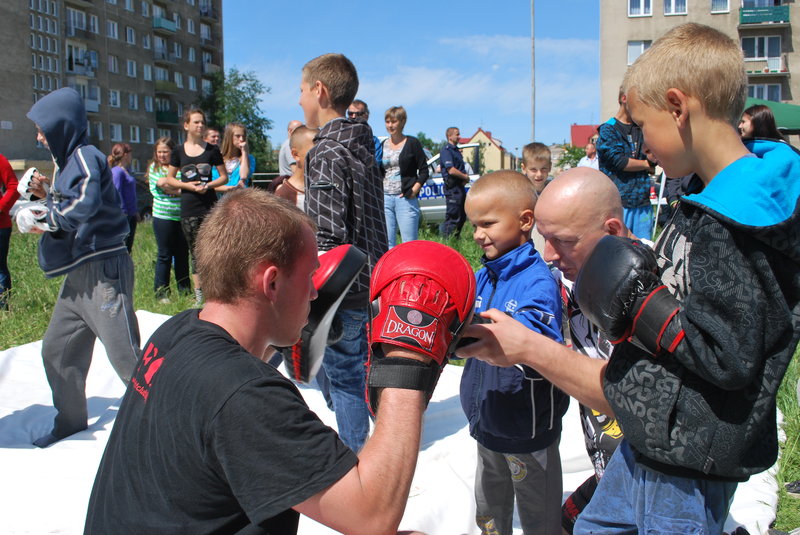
pixel 46 491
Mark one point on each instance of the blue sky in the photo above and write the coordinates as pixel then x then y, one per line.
pixel 464 64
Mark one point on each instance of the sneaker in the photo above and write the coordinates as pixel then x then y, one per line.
pixel 793 488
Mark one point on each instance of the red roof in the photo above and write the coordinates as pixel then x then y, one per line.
pixel 580 133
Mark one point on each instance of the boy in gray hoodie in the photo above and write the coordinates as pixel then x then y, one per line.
pixel 84 240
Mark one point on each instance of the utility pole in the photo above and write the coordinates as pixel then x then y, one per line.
pixel 533 78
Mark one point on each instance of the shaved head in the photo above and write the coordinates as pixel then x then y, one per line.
pixel 511 188
pixel 292 125
pixel 577 209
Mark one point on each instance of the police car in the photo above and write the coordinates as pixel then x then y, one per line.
pixel 431 196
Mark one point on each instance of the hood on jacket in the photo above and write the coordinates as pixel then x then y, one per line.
pixel 356 136
pixel 61 116
pixel 758 191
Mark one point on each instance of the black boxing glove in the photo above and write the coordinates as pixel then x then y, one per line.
pixel 619 290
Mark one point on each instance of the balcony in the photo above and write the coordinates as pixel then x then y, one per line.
pixel 208 13
pixel 163 25
pixel 79 33
pixel 166 117
pixel 80 3
pixel 165 86
pixel 211 68
pixel 162 55
pixel 206 41
pixel 81 70
pixel 773 16
pixel 92 105
pixel 767 67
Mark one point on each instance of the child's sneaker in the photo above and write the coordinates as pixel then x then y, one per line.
pixel 793 488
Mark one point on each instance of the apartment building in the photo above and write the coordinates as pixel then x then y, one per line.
pixel 763 27
pixel 137 63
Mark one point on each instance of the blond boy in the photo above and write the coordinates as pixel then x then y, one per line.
pixel 293 189
pixel 514 413
pixel 344 198
pixel 692 381
pixel 536 165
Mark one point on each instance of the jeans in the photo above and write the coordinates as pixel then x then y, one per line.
pixel 631 499
pixel 403 213
pixel 5 274
pixel 454 215
pixel 172 250
pixel 345 367
pixel 640 221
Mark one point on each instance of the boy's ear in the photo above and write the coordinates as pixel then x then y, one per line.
pixel 678 106
pixel 295 154
pixel 266 276
pixel 526 220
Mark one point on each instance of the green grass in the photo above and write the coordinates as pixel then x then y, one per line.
pixel 33 298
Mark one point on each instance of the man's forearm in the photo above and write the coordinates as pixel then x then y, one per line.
pixel 637 165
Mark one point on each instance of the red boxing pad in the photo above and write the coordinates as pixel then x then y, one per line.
pixel 424 292
pixel 338 269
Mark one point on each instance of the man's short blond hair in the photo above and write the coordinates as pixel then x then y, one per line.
pixel 512 186
pixel 246 228
pixel 396 113
pixel 337 74
pixel 698 60
pixel 536 152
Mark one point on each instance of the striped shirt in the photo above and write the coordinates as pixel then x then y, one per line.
pixel 165 206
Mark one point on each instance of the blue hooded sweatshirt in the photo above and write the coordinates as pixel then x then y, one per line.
pixel 84 205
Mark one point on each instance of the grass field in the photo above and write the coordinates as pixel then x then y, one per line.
pixel 33 298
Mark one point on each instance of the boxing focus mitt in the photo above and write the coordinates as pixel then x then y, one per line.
pixel 338 269
pixel 422 295
pixel 619 290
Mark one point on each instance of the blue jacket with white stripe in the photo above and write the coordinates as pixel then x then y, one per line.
pixel 515 410
pixel 84 207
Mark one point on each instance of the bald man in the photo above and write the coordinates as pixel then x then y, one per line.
pixel 572 214
pixel 285 160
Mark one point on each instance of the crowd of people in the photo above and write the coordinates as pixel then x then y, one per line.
pixel 677 348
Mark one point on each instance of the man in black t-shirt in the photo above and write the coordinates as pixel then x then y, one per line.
pixel 211 439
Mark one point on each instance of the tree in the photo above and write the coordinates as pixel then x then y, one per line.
pixel 433 146
pixel 570 157
pixel 236 97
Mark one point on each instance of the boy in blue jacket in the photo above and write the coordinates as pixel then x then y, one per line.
pixel 514 413
pixel 84 240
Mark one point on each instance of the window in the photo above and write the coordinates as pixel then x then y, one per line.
pixel 675 7
pixel 639 8
pixel 115 131
pixel 147 72
pixel 98 130
pixel 131 68
pixel 94 25
pixel 177 19
pixel 151 136
pixel 164 132
pixel 635 49
pixel 75 20
pixel 134 137
pixel 205 31
pixel 148 103
pixel 112 29
pixel 145 9
pixel 112 2
pixel 162 104
pixel 113 63
pixel 130 35
pixel 720 6
pixel 113 98
pixel 177 50
pixel 162 74
pixel 158 11
pixel 133 101
pixel 765 91
pixel 761 3
pixel 761 47
pixel 179 79
pixel 190 2
pixel 207 57
pixel 192 83
pixel 129 5
pixel 190 25
pixel 53 9
pixel 191 54
pixel 206 85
